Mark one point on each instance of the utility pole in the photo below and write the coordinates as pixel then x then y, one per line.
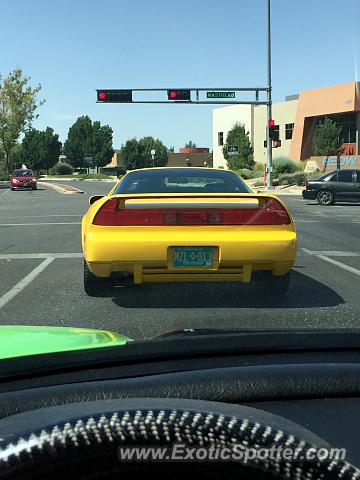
pixel 269 177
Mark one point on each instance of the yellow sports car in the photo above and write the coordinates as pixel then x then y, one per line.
pixel 184 225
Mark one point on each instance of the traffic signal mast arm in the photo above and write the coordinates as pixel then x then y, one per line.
pixel 224 96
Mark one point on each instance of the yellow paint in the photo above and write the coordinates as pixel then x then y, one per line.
pixel 145 251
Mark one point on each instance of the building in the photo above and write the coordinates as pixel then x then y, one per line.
pixel 296 119
pixel 195 157
pixel 189 157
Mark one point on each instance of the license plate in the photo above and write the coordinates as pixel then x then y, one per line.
pixel 193 256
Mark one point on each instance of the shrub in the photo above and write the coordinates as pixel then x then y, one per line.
pixel 245 173
pixel 258 173
pixel 296 178
pixel 313 175
pixel 62 169
pixel 259 183
pixel 283 165
pixel 258 167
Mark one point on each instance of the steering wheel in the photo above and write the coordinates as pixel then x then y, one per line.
pixel 84 440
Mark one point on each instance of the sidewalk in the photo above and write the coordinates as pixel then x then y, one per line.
pixel 279 190
pixel 282 190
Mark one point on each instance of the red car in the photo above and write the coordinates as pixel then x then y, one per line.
pixel 23 179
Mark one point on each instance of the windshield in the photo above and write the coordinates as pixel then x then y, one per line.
pixel 176 180
pixel 181 177
pixel 22 173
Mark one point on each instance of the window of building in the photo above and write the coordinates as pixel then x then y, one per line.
pixel 345 176
pixel 289 127
pixel 220 139
pixel 347 122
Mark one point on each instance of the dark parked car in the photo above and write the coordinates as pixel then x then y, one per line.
pixel 336 186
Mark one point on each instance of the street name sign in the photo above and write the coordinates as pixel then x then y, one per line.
pixel 220 94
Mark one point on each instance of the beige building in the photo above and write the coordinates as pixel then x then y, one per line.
pixel 296 119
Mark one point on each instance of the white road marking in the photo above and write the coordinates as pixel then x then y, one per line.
pixel 19 287
pixel 6 191
pixel 36 224
pixel 340 264
pixel 331 253
pixel 22 256
pixel 332 261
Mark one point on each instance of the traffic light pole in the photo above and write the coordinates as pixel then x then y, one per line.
pixel 269 177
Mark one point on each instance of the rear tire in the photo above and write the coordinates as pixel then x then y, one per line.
pixel 270 284
pixel 92 283
pixel 325 198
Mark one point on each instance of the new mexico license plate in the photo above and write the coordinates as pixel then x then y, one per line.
pixel 193 256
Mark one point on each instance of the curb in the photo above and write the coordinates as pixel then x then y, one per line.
pixel 281 192
pixel 109 180
pixel 65 189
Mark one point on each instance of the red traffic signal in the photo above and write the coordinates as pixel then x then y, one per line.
pixel 114 96
pixel 179 95
pixel 273 130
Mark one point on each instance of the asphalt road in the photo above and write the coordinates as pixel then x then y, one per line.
pixel 41 275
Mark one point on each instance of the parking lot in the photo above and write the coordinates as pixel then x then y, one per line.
pixel 41 275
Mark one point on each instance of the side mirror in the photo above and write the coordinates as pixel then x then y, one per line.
pixel 95 198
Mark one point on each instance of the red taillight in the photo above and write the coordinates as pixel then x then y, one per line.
pixel 272 213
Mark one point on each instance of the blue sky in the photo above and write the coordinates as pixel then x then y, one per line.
pixel 73 47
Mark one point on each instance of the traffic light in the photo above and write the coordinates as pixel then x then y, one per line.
pixel 273 130
pixel 114 96
pixel 179 95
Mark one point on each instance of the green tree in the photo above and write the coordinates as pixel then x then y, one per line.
pixel 137 153
pixel 171 150
pixel 130 154
pixel 89 139
pixel 40 149
pixel 100 145
pixel 18 105
pixel 240 137
pixel 326 139
pixel 209 161
pixel 79 138
pixel 146 144
pixel 190 144
pixel 16 156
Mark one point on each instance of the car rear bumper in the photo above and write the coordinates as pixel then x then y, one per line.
pixel 147 253
pixel 309 194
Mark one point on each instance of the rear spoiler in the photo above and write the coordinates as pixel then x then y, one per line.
pixel 204 200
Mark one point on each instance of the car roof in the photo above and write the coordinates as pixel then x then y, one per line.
pixel 179 168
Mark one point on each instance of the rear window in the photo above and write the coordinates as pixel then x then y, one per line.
pixel 22 173
pixel 176 180
pixel 330 177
